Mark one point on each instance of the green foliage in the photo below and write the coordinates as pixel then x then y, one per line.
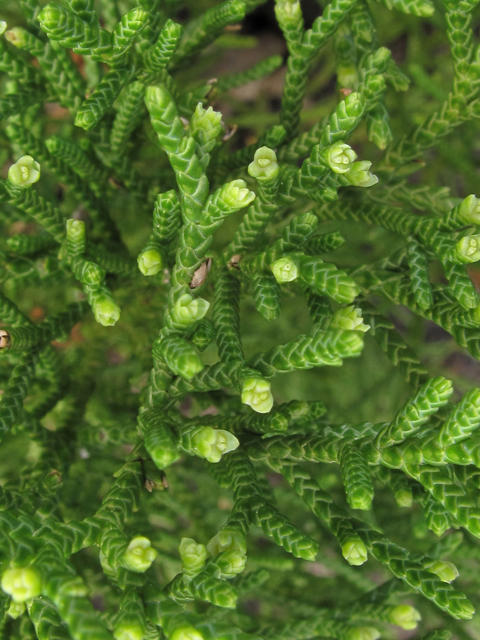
pixel 159 476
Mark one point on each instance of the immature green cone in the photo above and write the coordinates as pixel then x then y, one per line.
pixel 469 210
pixel 150 262
pixel 405 616
pixel 193 556
pixel 256 393
pixel 213 443
pixel 129 632
pixel 349 318
pixel 466 250
pixel 106 311
pixel 235 195
pixel 22 584
pixel 186 633
pixel 139 555
pixel 404 498
pixel 362 633
pixel 285 270
pixel 354 552
pixel 24 172
pixel 16 609
pixel 3 27
pixel 227 540
pixel 264 166
pixel 231 563
pixel 188 310
pixel 360 175
pixel 205 127
pixel 340 157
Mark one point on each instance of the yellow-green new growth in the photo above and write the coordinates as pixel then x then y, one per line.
pixel 22 584
pixel 211 443
pixel 139 555
pixel 257 394
pixel 25 172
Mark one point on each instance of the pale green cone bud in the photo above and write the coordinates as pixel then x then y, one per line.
pixel 16 609
pixel 469 210
pixel 129 631
pixel 349 318
pixel 405 616
pixel 340 157
pixel 285 270
pixel 193 556
pixel 188 364
pixel 354 552
pixel 150 262
pixel 232 563
pixel 236 195
pixel 93 273
pixel 467 250
pixel 360 175
pixel 17 36
pixel 84 119
pixel 264 166
pixel 106 311
pixel 3 26
pixel 24 172
pixel 22 584
pixel 288 11
pixel 362 633
pixel 212 443
pixel 227 540
pixel 185 633
pixel 188 310
pixel 139 555
pixel 347 76
pixel 257 394
pixel 446 571
pixel 75 230
pixel 205 126
pixel 404 498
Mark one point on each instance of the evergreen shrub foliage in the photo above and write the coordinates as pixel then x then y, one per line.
pixel 160 477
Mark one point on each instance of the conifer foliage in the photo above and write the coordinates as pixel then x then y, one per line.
pixel 149 433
